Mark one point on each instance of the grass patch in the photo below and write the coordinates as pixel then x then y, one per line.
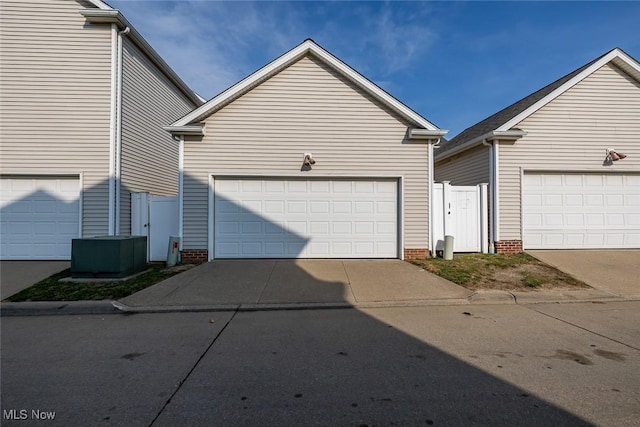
pixel 532 281
pixel 52 289
pixel 499 271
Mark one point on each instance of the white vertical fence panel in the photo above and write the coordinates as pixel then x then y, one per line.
pixel 461 212
pixel 156 217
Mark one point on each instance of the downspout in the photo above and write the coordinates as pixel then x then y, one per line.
pixel 180 189
pixel 431 243
pixel 492 187
pixel 113 118
pixel 118 148
pixel 496 185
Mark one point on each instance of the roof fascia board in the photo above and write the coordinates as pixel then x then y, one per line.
pixel 372 88
pixel 568 85
pixel 113 16
pixel 510 135
pixel 100 4
pixel 287 59
pixel 186 130
pixel 426 134
pixel 630 61
pixel 248 81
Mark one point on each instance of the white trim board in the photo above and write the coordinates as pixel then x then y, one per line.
pixel 308 46
pixel 614 54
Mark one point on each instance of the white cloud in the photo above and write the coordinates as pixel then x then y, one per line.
pixel 212 44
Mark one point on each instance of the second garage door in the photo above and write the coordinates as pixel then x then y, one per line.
pixel 39 217
pixel 581 211
pixel 278 218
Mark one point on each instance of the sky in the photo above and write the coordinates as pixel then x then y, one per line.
pixel 454 63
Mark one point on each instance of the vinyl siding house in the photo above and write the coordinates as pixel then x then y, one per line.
pixel 246 192
pixel 83 99
pixel 552 182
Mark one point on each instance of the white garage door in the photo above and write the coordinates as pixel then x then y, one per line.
pixel 275 218
pixel 573 211
pixel 39 217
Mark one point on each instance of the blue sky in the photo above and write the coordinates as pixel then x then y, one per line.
pixel 454 63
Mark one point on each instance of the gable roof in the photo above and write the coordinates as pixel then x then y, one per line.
pixel 308 46
pixel 501 124
pixel 102 13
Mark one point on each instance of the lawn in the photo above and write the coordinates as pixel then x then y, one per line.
pixel 53 289
pixel 516 272
pixel 473 271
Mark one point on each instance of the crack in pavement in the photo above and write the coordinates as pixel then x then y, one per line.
pixel 193 368
pixel 580 327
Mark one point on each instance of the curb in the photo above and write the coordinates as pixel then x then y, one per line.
pixel 60 308
pixel 57 308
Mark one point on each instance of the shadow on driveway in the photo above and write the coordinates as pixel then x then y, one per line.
pixel 347 282
pixel 18 275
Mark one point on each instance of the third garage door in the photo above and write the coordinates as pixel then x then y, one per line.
pixel 282 218
pixel 581 210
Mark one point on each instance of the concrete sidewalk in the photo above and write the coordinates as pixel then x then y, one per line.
pixel 257 285
pixel 297 284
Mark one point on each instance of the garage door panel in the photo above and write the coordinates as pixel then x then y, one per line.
pixel 319 228
pixel 575 211
pixel 316 186
pixel 634 239
pixel 40 216
pixel 341 207
pixel 305 218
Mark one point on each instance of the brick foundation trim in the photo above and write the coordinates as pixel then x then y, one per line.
pixel 197 256
pixel 194 256
pixel 508 246
pixel 416 253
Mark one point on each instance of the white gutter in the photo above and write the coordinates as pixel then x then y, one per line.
pixel 112 130
pixel 509 135
pixel 427 134
pixel 196 129
pixel 118 147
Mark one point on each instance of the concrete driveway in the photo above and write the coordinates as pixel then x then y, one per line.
pixel 614 271
pixel 298 281
pixel 18 275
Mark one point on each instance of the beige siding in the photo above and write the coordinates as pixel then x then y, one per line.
pixel 55 98
pixel 468 168
pixel 305 108
pixel 149 153
pixel 571 134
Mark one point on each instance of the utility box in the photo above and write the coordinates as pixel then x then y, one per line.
pixel 108 257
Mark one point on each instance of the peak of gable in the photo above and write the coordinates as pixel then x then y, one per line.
pixel 308 47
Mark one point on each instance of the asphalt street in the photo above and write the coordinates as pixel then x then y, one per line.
pixel 542 364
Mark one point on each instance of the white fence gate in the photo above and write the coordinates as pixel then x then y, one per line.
pixel 157 218
pixel 461 212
